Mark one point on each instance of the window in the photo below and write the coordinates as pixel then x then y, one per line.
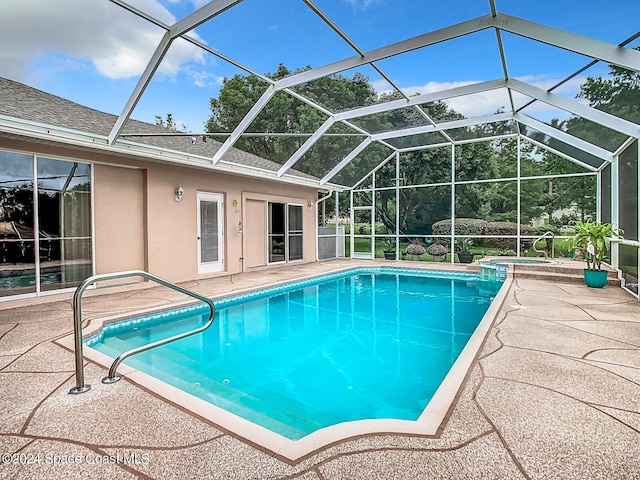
pixel 45 223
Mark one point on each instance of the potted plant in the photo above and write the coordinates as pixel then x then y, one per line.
pixel 464 250
pixel 437 251
pixel 415 250
pixel 593 238
pixel 389 248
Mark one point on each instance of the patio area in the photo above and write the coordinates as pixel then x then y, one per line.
pixel 554 393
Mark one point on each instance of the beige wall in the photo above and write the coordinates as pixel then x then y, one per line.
pixel 254 227
pixel 139 225
pixel 119 198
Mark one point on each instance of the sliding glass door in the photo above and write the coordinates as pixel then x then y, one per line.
pixel 284 233
pixel 276 244
pixel 294 232
pixel 45 223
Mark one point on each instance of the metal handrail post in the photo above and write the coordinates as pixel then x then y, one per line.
pixel 80 387
pixel 77 324
pixel 546 235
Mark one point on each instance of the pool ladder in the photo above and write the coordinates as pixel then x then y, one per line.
pixel 546 235
pixel 81 387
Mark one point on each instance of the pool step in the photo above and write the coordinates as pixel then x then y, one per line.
pixel 567 271
pixel 558 277
pixel 233 394
pixel 560 273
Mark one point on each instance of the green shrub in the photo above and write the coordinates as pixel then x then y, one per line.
pixel 505 228
pixel 463 226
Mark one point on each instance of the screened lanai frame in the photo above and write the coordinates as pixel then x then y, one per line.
pixel 608 172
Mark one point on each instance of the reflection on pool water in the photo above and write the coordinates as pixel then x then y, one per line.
pixel 22 280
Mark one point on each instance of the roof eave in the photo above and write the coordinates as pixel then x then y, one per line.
pixel 128 148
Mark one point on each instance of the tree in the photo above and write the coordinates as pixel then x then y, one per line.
pixel 284 113
pixel 618 94
pixel 169 123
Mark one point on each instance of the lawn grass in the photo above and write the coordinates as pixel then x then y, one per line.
pixel 562 247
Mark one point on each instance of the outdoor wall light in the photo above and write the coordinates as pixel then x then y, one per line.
pixel 179 193
pixel 310 205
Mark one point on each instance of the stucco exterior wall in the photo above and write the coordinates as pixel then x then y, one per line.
pixel 139 225
pixel 172 251
pixel 119 219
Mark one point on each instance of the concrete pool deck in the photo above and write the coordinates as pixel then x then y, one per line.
pixel 554 393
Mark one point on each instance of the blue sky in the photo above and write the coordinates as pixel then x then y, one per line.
pixel 93 51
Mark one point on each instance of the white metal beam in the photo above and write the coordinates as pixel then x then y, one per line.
pixel 244 123
pixel 374 169
pixel 607 52
pixel 623 147
pixel 306 146
pixel 565 137
pixel 561 154
pixel 420 99
pixel 466 122
pixel 140 87
pixel 356 151
pixel 208 11
pixel 424 147
pixel 437 36
pixel 598 116
pixel 191 21
pixel 140 13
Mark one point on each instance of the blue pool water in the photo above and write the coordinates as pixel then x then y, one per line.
pixel 358 345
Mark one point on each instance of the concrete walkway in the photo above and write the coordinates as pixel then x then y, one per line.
pixel 554 393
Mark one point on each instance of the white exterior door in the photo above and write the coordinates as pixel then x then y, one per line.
pixel 210 233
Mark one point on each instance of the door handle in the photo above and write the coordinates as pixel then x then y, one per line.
pixel 198 238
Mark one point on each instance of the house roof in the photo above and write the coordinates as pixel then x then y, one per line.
pixel 34 107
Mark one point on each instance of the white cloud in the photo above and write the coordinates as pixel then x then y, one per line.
pixel 362 4
pixel 486 103
pixel 117 43
pixel 203 78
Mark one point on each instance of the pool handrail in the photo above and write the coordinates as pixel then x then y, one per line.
pixel 546 234
pixel 81 387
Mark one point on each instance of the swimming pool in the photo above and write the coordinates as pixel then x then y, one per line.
pixel 364 344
